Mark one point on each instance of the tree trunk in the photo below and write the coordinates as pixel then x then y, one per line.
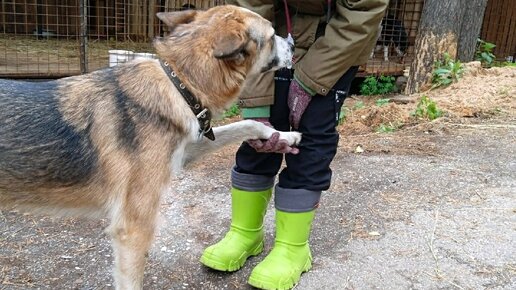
pixel 439 33
pixel 470 30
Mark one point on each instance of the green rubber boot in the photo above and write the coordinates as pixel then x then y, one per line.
pixel 245 236
pixel 290 256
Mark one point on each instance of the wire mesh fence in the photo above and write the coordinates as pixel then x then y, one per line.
pixel 54 38
pixel 395 46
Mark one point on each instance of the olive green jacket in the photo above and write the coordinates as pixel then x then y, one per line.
pixel 347 39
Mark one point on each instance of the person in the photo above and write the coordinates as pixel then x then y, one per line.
pixel 331 39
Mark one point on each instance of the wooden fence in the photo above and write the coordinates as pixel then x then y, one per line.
pixel 500 27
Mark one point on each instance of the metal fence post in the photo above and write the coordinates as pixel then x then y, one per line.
pixel 83 35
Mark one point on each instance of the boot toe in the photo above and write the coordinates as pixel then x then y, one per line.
pixel 230 254
pixel 281 269
pixel 270 279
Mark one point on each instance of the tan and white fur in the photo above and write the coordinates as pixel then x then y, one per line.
pixel 105 144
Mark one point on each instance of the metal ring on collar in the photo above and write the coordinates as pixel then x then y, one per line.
pixel 206 130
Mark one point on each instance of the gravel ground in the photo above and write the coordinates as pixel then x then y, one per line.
pixel 418 209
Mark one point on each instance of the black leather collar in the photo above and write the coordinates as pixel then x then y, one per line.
pixel 203 114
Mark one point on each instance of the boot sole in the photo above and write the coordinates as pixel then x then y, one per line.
pixel 267 284
pixel 215 263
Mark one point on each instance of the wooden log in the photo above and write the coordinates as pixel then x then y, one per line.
pixel 439 33
pixel 470 29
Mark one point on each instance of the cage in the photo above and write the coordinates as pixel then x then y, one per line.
pixel 396 38
pixel 51 38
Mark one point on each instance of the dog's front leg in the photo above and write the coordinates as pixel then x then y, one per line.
pixel 233 133
pixel 132 230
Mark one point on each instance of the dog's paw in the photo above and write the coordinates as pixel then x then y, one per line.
pixel 293 138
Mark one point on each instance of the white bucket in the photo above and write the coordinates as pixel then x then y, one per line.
pixel 144 55
pixel 118 56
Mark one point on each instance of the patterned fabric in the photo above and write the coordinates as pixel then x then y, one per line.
pixel 298 100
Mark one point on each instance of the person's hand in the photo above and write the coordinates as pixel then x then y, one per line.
pixel 298 100
pixel 272 145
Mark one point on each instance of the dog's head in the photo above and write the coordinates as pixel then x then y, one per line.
pixel 215 50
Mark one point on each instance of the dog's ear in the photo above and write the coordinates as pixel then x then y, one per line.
pixel 228 45
pixel 172 19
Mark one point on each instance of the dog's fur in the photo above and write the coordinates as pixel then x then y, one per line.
pixel 105 143
pixel 391 33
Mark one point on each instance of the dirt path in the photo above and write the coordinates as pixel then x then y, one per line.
pixel 432 206
pixel 440 217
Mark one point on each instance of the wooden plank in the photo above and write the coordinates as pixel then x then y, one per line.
pixel 98 20
pixel 512 32
pixel 511 29
pixel 506 28
pixel 490 20
pixel 2 16
pixel 500 27
pixel 511 44
pixel 150 19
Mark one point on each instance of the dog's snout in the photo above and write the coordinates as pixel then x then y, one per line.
pixel 283 52
pixel 292 47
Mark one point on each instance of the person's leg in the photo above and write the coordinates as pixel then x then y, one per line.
pixel 310 169
pixel 299 189
pixel 252 181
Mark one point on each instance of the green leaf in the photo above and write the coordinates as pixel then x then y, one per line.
pixel 489 46
pixel 382 102
pixel 447 81
pixel 441 71
pixel 359 105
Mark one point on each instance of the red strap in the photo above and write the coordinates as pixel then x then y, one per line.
pixel 287 16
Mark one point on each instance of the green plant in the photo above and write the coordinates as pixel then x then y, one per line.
pixel 359 105
pixel 388 128
pixel 344 111
pixel 427 108
pixel 382 102
pixel 504 64
pixel 446 71
pixel 233 111
pixel 484 53
pixel 377 86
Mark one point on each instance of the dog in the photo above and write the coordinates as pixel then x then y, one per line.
pixel 391 33
pixel 105 144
